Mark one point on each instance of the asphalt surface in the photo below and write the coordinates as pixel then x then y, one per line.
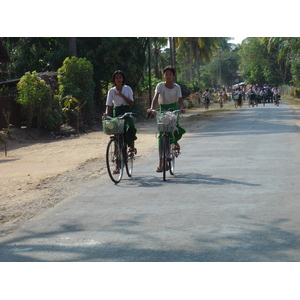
pixel 234 198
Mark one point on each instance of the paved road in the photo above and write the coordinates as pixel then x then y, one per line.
pixel 235 197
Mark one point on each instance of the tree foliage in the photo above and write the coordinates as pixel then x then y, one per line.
pixel 192 52
pixel 199 62
pixel 35 98
pixel 288 51
pixel 77 80
pixel 261 63
pixel 36 53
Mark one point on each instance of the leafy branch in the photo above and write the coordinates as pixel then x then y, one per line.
pixel 69 102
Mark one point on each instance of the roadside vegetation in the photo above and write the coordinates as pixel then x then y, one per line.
pixel 76 95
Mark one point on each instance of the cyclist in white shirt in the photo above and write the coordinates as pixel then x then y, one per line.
pixel 168 96
pixel 119 101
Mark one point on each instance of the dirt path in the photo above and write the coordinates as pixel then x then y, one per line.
pixel 38 173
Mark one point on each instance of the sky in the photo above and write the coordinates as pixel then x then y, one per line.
pixel 237 40
pixel 209 19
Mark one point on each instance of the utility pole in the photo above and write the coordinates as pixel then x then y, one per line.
pixel 149 70
pixel 171 51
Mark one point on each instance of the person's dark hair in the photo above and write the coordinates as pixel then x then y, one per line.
pixel 169 68
pixel 118 72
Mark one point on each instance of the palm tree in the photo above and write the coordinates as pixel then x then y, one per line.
pixel 201 49
pixel 286 44
pixel 158 44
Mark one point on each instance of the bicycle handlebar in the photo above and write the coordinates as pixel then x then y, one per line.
pixel 173 111
pixel 119 117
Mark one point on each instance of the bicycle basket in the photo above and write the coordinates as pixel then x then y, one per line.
pixel 113 126
pixel 166 121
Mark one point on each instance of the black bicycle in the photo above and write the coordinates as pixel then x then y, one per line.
pixel 276 99
pixel 166 123
pixel 206 103
pixel 117 155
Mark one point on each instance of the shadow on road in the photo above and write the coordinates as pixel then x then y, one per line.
pixel 180 178
pixel 252 241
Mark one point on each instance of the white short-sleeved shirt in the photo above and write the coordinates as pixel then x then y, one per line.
pixel 117 100
pixel 167 95
pixel 276 92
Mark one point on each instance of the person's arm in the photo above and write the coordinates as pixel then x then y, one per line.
pixel 181 105
pixel 109 102
pixel 180 100
pixel 154 102
pixel 109 110
pixel 128 100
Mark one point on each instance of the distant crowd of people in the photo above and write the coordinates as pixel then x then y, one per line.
pixel 256 93
pixel 266 92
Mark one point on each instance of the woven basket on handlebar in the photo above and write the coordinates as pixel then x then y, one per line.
pixel 166 122
pixel 113 126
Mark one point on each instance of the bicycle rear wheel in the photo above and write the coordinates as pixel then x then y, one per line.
pixel 172 160
pixel 114 161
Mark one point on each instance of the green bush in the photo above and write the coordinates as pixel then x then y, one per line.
pixel 296 92
pixel 77 80
pixel 188 88
pixel 34 98
pixel 52 120
pixel 143 85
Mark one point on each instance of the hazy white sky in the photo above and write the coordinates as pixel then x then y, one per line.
pixel 237 40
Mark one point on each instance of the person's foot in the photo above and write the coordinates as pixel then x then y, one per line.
pixel 159 169
pixel 176 147
pixel 132 151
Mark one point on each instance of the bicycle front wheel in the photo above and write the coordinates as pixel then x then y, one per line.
pixel 114 161
pixel 165 155
pixel 172 160
pixel 129 158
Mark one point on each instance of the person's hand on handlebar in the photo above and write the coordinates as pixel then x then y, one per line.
pixel 149 110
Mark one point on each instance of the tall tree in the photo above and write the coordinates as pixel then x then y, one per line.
pixel 201 49
pixel 260 64
pixel 288 53
pixel 37 54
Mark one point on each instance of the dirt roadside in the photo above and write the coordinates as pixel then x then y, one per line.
pixel 40 172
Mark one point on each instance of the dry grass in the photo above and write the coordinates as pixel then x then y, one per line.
pixel 291 100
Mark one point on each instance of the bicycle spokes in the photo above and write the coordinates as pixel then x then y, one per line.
pixel 114 161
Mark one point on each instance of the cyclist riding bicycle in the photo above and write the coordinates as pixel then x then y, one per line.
pixel 252 95
pixel 119 101
pixel 276 93
pixel 206 96
pixel 168 96
pixel 221 99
